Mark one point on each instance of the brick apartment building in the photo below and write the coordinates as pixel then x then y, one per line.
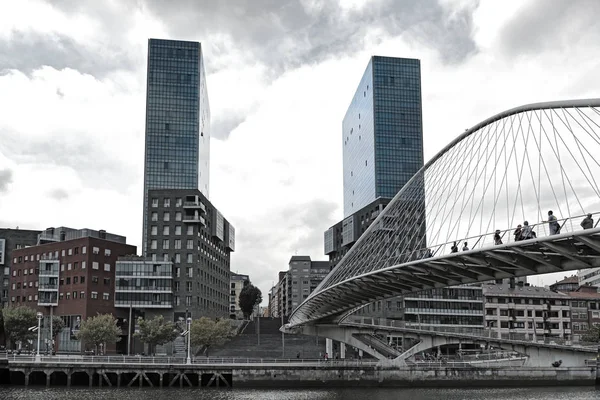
pixel 69 273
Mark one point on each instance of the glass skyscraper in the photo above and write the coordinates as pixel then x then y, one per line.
pixel 177 153
pixel 382 132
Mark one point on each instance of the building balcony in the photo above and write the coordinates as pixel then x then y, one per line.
pixel 194 219
pixel 48 298
pixel 53 287
pixel 144 304
pixel 194 205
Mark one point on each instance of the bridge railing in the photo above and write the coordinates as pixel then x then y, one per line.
pixel 140 360
pixel 539 229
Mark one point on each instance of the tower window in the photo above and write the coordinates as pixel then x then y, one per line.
pixel 166 165
pixel 167 127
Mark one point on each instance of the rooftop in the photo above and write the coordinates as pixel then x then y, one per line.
pixel 521 291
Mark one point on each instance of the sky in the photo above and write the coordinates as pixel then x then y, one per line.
pixel 280 76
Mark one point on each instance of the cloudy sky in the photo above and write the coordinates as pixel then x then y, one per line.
pixel 281 74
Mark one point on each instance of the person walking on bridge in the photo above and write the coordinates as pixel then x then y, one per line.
pixel 454 248
pixel 526 232
pixel 553 224
pixel 517 233
pixel 465 247
pixel 497 237
pixel 588 222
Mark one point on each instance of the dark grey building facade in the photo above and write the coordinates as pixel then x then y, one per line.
pixel 177 150
pixel 186 229
pixel 12 239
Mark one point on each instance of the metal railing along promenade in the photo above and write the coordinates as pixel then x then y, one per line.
pixel 208 361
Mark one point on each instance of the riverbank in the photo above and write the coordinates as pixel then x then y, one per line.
pixel 269 375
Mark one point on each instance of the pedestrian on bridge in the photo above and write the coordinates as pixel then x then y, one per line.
pixel 497 237
pixel 588 222
pixel 465 247
pixel 526 232
pixel 454 248
pixel 553 224
pixel 517 233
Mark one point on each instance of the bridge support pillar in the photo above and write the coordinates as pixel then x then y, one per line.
pixel 342 350
pixel 69 378
pixel 329 347
pixel 27 378
pixel 48 377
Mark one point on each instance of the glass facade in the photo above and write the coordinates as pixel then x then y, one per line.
pixel 382 132
pixel 177 152
pixel 144 283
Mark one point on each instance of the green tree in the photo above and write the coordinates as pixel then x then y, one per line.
pixel 57 326
pixel 209 332
pixel 592 335
pixel 156 331
pixel 98 330
pixel 17 321
pixel 250 296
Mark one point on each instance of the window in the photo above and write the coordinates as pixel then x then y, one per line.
pixel 70 252
pixel 178 230
pixel 69 266
pixel 82 295
pixel 178 216
pixel 62 267
pixel 107 267
pixel 96 250
pixel 178 202
pixel 165 257
pixel 83 250
pixel 107 281
pixel 75 265
pixel 154 230
pixel 107 252
pixel 190 258
pixel 190 230
pixel 178 243
pixel 188 286
pixel 95 265
pixel 94 295
pixel 105 296
pixel 62 253
pixel 166 216
pixel 176 301
pixel 83 265
pixel 190 244
pixel 76 251
pixel 165 244
pixel 166 230
pixel 190 272
pixel 154 216
pixel 68 295
pixel 188 300
pixel 153 244
pixel 177 258
pixel 154 203
pixel 74 295
pixel 83 279
pixel 75 279
pixel 94 279
pixel 167 203
pixel 68 280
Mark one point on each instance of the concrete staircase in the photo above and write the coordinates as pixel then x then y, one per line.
pixel 179 346
pixel 246 344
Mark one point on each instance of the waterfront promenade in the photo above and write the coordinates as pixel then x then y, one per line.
pixel 165 372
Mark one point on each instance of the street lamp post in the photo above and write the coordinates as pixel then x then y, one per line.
pixel 38 358
pixel 189 335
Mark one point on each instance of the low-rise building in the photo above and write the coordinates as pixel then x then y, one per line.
pixel 69 273
pixel 527 312
pixel 12 239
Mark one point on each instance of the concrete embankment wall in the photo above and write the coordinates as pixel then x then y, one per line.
pixel 287 376
pixel 394 377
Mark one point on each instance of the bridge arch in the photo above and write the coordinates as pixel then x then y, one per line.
pixel 510 168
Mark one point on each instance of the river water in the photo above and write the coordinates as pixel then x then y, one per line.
pixel 549 393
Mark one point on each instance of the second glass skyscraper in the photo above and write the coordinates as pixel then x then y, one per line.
pixel 382 132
